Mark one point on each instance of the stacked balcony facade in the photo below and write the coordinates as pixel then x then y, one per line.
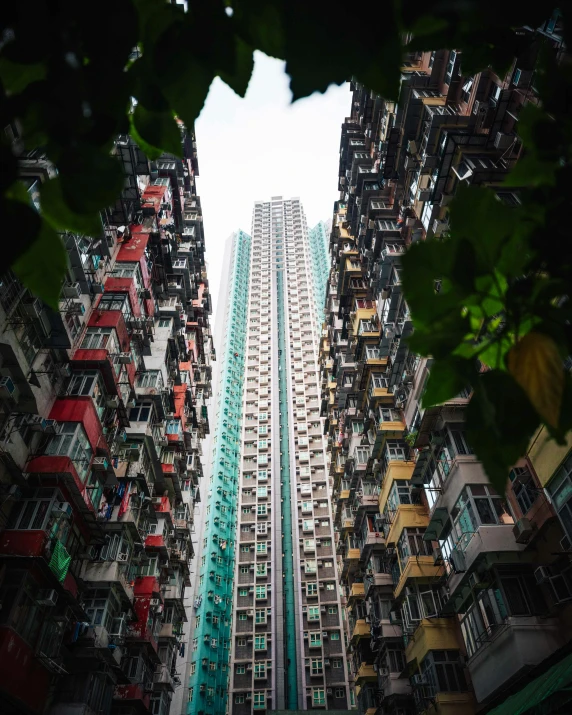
pixel 104 406
pixel 211 613
pixel 430 558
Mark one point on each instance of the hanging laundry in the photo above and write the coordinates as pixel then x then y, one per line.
pixel 125 501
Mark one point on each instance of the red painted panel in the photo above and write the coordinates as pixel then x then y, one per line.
pixel 132 692
pixel 80 409
pixel 125 285
pixel 22 676
pixel 134 250
pixel 168 468
pixel 155 540
pixel 164 506
pixel 23 543
pixel 146 586
pixel 111 319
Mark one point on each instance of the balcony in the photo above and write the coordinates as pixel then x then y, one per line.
pixel 396 469
pixel 432 634
pixel 365 674
pixel 360 630
pixel 162 677
pixel 104 573
pixel 512 648
pixel 357 590
pixel 418 567
pixel 376 580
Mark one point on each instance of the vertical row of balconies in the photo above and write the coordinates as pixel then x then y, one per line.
pixel 430 558
pixel 101 462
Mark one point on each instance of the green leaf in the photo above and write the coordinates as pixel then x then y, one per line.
pixel 21 223
pixel 16 77
pixel 43 266
pixel 244 64
pixel 500 424
pixel 158 129
pixel 152 152
pixel 90 178
pixel 532 171
pixel 536 364
pixel 60 216
pixel 446 380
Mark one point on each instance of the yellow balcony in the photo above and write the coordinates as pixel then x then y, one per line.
pixel 407 516
pixel 418 567
pixel 380 395
pixel 452 704
pixel 352 555
pixel 366 674
pixel 356 591
pixel 371 711
pixel 344 494
pixel 361 630
pixel 395 470
pixel 362 314
pixel 432 634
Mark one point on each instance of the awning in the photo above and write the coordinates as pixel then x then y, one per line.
pixel 546 694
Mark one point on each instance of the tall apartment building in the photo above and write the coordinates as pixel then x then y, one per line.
pixel 458 599
pixel 271 584
pixel 103 406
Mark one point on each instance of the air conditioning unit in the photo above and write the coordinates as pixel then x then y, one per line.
pixel 122 556
pixel 383 671
pixel 8 390
pixel 71 290
pixel 62 507
pixel 170 416
pixel 98 288
pixel 76 308
pixel 100 464
pixel 522 531
pixel 418 679
pixel 50 426
pixel 163 442
pixel 541 574
pixel 458 561
pixel 125 358
pixel 329 691
pixel 47 597
pixel 155 602
pixel 112 402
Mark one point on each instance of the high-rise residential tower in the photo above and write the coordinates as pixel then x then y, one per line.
pixel 287 643
pixel 266 618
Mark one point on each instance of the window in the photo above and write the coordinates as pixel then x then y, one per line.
pixel 240 670
pixel 339 692
pixel 99 338
pixel 260 615
pixel 313 613
pixel 411 543
pixel 261 592
pixel 244 569
pixel 243 591
pixel 560 490
pixel 315 639
pixel 311 589
pixel 150 378
pixel 261 510
pixel 332 610
pixel 260 643
pixel 260 670
pixel 245 549
pixel 141 412
pixel 317 667
pixel 240 642
pixel 443 672
pixel 239 699
pixel 524 488
pixel 242 616
pixel 71 441
pixel 318 696
pixel 193 667
pixel 262 492
pixel 335 635
pixel 478 505
pixel 330 587
pixel 261 548
pixel 259 701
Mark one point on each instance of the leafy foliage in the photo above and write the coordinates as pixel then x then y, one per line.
pixel 75 75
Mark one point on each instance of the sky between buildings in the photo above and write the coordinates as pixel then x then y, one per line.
pixel 262 146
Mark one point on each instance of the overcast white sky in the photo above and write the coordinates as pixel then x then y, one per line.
pixel 263 146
